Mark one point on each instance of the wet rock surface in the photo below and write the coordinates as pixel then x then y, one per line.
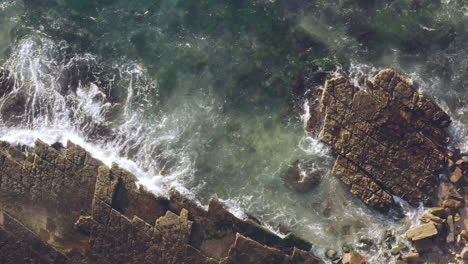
pixel 303 175
pixel 390 140
pixel 442 235
pixel 63 206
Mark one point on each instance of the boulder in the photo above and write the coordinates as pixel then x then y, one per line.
pixel 421 232
pixel 464 253
pixel 437 211
pixel 428 218
pixel 456 175
pixel 390 140
pixel 452 204
pixel 463 160
pixel 353 258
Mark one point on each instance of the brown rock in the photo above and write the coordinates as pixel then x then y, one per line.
pixel 456 175
pixel 428 217
pixel 461 161
pixel 464 253
pixel 452 204
pixel 421 232
pixel 411 256
pixel 437 211
pixel 451 231
pixel 456 217
pixel 377 135
pixel 353 258
pixel 450 163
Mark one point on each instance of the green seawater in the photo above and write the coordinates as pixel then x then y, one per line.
pixel 208 93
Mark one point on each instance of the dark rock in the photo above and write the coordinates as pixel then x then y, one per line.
pixel 389 139
pixel 303 176
pixel 6 82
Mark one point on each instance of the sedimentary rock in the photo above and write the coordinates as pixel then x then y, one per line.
pixel 422 232
pixel 353 258
pixel 60 205
pixel 390 140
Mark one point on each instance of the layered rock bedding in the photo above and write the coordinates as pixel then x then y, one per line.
pixel 389 139
pixel 60 205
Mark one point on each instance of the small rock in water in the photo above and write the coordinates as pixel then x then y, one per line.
pixel 422 232
pixel 346 248
pixel 331 254
pixel 353 258
pixel 303 176
pixel 399 248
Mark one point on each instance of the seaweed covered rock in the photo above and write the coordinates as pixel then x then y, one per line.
pixel 390 140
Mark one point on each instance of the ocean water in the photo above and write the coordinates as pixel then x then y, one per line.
pixel 202 96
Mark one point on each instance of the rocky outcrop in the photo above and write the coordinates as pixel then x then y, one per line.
pixel 60 205
pixel 390 140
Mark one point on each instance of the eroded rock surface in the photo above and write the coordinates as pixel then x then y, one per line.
pixel 390 140
pixel 60 205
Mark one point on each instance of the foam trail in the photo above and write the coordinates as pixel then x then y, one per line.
pixel 52 101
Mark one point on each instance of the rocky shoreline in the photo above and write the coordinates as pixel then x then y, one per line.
pixel 391 141
pixel 58 204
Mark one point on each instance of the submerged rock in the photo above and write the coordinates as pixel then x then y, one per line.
pixel 331 254
pixel 303 176
pixel 390 140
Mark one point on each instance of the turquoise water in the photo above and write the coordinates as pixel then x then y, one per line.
pixel 207 96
